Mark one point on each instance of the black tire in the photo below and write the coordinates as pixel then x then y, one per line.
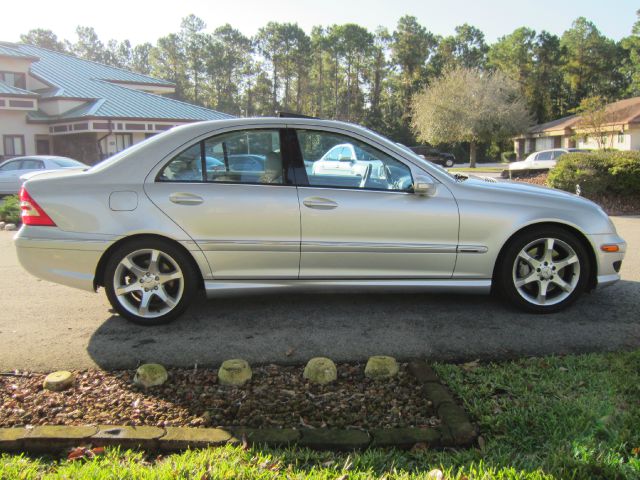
pixel 168 251
pixel 449 163
pixel 507 271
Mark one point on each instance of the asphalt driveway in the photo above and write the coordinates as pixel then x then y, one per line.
pixel 44 326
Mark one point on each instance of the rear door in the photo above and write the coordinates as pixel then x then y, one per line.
pixel 247 222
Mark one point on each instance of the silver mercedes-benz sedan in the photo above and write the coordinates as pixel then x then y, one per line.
pixel 172 215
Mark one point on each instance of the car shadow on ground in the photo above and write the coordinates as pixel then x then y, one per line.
pixel 348 327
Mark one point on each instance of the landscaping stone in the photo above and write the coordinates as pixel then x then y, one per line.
pixel 422 371
pixel 150 375
pixel 457 430
pixel 57 437
pixel 234 372
pixel 404 437
pixel 11 439
pixel 267 436
pixel 435 474
pixel 58 381
pixel 181 438
pixel 128 437
pixel 380 367
pixel 10 227
pixel 437 393
pixel 326 439
pixel 320 370
pixel 2 224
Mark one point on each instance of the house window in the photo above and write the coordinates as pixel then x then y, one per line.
pixel 621 137
pixel 14 79
pixel 13 145
pixel 123 140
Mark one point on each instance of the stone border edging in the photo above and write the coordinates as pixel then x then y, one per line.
pixel 455 430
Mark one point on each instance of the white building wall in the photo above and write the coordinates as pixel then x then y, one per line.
pixel 544 143
pixel 14 123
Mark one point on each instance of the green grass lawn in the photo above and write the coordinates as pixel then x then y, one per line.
pixel 572 417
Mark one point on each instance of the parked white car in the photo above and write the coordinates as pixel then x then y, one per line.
pixel 348 159
pixel 12 170
pixel 542 160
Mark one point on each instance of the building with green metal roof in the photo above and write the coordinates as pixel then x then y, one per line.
pixel 55 103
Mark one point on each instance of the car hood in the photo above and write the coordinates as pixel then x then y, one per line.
pixel 525 189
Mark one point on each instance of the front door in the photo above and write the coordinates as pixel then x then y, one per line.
pixel 232 194
pixel 368 223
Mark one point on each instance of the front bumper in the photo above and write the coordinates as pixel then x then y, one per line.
pixel 608 268
pixel 62 257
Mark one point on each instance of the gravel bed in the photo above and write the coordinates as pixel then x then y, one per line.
pixel 277 396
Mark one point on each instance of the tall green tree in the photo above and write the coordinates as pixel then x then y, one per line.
pixel 411 47
pixel 227 58
pixel 193 43
pixel 140 58
pixel 590 64
pixel 88 46
pixel 467 48
pixel 43 38
pixel 631 66
pixel 168 61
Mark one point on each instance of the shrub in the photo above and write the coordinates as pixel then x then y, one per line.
pixel 598 173
pixel 10 209
pixel 507 157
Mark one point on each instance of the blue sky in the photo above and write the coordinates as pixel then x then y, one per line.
pixel 139 22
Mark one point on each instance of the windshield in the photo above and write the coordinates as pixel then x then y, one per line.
pixel 422 159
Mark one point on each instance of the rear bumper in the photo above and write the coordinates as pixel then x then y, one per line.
pixel 61 257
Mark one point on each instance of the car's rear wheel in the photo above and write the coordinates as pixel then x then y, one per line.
pixel 449 163
pixel 150 281
pixel 544 271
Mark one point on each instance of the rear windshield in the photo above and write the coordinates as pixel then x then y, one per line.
pixel 67 162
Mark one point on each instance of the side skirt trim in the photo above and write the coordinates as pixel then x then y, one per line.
pixel 220 288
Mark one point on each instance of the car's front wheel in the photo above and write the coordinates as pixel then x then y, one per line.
pixel 449 163
pixel 544 271
pixel 150 281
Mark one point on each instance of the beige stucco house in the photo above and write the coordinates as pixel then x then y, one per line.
pixel 54 103
pixel 621 130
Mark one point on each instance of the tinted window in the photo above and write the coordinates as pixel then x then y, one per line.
pixel 372 170
pixel 31 165
pixel 247 156
pixel 544 156
pixel 7 167
pixel 185 167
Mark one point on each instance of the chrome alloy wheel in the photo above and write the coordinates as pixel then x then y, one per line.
pixel 148 283
pixel 546 271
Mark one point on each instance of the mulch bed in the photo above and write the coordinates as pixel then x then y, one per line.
pixel 277 396
pixel 612 204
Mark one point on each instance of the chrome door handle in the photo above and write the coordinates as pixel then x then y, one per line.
pixel 319 203
pixel 185 199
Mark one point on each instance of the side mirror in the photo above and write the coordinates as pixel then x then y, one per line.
pixel 423 185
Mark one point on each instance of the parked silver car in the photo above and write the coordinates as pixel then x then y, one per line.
pixel 154 224
pixel 11 170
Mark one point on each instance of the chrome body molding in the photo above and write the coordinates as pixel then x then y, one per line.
pixel 223 288
pixel 373 247
pixel 472 249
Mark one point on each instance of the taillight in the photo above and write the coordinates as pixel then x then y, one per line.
pixel 31 212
